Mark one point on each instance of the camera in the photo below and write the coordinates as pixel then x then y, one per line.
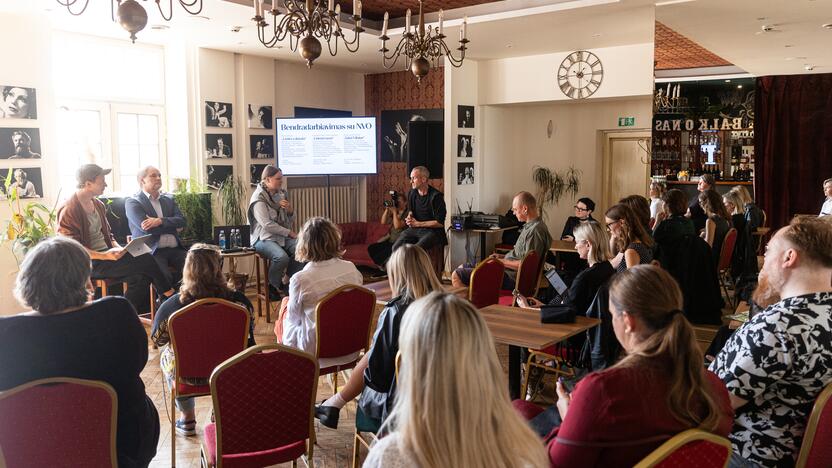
pixel 394 197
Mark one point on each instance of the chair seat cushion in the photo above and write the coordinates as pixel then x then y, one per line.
pixel 506 300
pixel 526 409
pixel 364 423
pixel 358 254
pixel 258 459
pixel 186 389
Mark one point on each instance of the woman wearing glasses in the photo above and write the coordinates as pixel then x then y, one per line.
pixel 629 242
pixel 583 212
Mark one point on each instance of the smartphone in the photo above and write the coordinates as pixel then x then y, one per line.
pixel 566 386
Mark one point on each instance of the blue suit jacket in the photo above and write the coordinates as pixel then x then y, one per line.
pixel 138 208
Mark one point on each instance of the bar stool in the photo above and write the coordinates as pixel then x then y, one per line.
pixel 104 283
pixel 263 285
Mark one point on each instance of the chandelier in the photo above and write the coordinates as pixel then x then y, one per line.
pixel 423 46
pixel 130 14
pixel 304 23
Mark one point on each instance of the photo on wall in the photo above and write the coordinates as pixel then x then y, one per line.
pixel 216 175
pixel 18 102
pixel 218 114
pixel 26 181
pixel 259 116
pixel 20 143
pixel 261 146
pixel 218 146
pixel 465 146
pixel 256 170
pixel 465 116
pixel 465 173
pixel 394 137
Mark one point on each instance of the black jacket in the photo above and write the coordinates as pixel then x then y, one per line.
pixel 583 289
pixel 689 259
pixel 380 376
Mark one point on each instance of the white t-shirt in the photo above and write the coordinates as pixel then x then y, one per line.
pixel 656 205
pixel 826 209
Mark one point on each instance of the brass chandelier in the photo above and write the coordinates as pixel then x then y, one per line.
pixel 304 23
pixel 423 46
pixel 130 14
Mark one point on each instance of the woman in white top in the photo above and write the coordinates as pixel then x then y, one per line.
pixel 657 190
pixel 452 407
pixel 319 243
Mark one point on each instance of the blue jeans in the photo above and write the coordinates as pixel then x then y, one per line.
pixel 283 259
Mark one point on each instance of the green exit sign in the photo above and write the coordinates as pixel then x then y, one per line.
pixel 626 121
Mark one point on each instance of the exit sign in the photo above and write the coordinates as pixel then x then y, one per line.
pixel 626 121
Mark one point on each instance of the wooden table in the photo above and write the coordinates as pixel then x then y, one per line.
pixel 483 233
pixel 521 328
pixel 384 293
pixel 559 246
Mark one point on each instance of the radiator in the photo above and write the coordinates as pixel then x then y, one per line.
pixel 312 201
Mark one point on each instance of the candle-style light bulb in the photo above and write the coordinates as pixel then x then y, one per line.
pixel 464 27
pixel 359 9
pixel 355 7
pixel 440 22
pixel 331 5
pixel 384 26
pixel 407 21
pixel 338 10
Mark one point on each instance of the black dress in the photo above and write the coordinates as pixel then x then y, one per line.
pixel 102 341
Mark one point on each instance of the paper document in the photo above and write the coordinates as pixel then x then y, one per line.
pixel 138 246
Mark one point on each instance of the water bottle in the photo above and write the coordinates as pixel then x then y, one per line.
pixel 235 238
pixel 222 240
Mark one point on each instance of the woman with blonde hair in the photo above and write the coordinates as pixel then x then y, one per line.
pixel 319 246
pixel 617 416
pixel 411 277
pixel 629 241
pixel 452 406
pixel 657 190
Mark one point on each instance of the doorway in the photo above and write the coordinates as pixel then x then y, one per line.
pixel 626 165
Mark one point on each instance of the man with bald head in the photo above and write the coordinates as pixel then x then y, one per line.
pixel 152 212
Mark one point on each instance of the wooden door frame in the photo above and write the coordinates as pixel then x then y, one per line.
pixel 618 135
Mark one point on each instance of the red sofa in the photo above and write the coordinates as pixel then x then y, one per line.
pixel 355 237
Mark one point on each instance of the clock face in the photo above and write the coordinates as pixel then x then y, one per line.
pixel 580 74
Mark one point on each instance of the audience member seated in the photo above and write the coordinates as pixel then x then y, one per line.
pixel 826 208
pixel 318 244
pixel 618 416
pixel 695 211
pixel 271 214
pixel 671 223
pixel 202 278
pixel 411 276
pixel 66 335
pixel 629 242
pixel 718 222
pixel 394 215
pixel 583 212
pixel 152 212
pixel 657 191
pixel 426 219
pixel 641 208
pixel 533 237
pixel 452 411
pixel 777 363
pixel 84 218
pixel 744 260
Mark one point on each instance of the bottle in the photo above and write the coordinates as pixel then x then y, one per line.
pixel 222 240
pixel 236 240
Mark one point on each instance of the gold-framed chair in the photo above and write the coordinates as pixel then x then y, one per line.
pixel 816 449
pixel 693 448
pixel 368 426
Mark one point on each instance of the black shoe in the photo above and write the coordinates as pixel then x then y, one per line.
pixel 328 415
pixel 274 294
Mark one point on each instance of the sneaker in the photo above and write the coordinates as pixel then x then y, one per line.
pixel 186 428
pixel 536 383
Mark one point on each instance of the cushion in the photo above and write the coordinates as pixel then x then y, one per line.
pixel 526 409
pixel 364 423
pixel 254 459
pixel 358 254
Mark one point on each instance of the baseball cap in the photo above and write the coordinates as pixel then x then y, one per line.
pixel 88 173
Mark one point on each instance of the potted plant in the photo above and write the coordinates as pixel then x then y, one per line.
pixel 29 224
pixel 230 196
pixel 552 185
pixel 195 203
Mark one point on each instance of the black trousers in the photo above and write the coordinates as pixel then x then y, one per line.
pixel 138 272
pixel 426 238
pixel 380 252
pixel 171 261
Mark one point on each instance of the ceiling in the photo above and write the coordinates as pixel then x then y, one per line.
pixel 674 51
pixel 730 30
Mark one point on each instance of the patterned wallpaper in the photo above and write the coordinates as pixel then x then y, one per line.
pixel 675 51
pixel 393 91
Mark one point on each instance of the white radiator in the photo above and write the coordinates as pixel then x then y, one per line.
pixel 312 201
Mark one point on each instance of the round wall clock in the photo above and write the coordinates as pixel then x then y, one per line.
pixel 580 74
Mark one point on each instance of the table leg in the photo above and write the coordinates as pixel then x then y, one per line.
pixel 482 246
pixel 514 372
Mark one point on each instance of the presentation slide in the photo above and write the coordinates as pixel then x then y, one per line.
pixel 326 146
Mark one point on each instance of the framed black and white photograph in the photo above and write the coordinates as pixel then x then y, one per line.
pixel 465 116
pixel 259 116
pixel 218 146
pixel 261 146
pixel 216 175
pixel 218 114
pixel 465 146
pixel 394 130
pixel 256 170
pixel 465 173
pixel 18 102
pixel 26 181
pixel 20 143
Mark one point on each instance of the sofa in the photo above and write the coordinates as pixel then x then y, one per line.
pixel 355 237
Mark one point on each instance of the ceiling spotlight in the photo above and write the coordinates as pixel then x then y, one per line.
pixel 808 67
pixel 727 81
pixel 739 86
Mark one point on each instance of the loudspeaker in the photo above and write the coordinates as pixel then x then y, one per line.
pixel 426 146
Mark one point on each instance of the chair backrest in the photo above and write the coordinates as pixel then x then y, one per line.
pixel 816 450
pixel 764 220
pixel 205 333
pixel 692 448
pixel 264 398
pixel 727 252
pixel 486 280
pixel 342 321
pixel 59 421
pixel 528 274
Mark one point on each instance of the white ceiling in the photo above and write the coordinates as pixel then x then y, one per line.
pixel 729 29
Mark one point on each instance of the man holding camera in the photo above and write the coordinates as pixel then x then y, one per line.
pixel 394 212
pixel 426 219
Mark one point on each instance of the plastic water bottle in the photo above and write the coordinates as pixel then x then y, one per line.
pixel 222 240
pixel 235 238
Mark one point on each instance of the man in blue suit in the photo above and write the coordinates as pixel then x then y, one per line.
pixel 151 212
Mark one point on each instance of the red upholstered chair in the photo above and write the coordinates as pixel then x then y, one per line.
pixel 692 448
pixel 356 237
pixel 528 277
pixel 816 450
pixel 724 267
pixel 342 328
pixel 203 334
pixel 486 281
pixel 58 421
pixel 264 399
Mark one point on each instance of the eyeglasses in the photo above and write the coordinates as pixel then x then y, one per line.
pixel 610 225
pixel 580 209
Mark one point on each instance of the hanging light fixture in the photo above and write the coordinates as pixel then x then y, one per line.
pixel 422 46
pixel 304 23
pixel 130 14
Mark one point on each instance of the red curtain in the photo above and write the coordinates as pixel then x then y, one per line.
pixel 792 144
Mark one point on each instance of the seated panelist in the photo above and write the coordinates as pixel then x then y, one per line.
pixel 426 219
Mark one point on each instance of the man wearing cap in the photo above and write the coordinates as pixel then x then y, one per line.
pixel 83 218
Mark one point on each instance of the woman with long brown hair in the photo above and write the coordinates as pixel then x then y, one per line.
pixel 629 241
pixel 718 222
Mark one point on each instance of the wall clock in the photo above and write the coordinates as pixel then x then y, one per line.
pixel 580 74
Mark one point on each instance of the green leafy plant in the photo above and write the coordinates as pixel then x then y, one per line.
pixel 195 203
pixel 552 185
pixel 29 223
pixel 573 181
pixel 230 197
